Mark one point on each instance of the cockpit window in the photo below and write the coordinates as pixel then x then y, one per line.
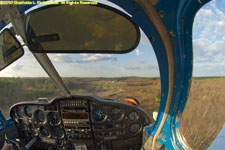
pixel 204 114
pixel 110 76
pixel 107 98
pixel 113 76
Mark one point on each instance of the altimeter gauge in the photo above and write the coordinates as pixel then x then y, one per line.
pixel 99 115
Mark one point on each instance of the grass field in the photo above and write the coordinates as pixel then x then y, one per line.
pixel 203 116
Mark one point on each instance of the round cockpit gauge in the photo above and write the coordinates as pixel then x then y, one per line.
pixel 98 115
pixel 19 112
pixel 58 132
pixel 40 116
pixel 33 130
pixel 44 131
pixel 116 114
pixel 53 118
pixel 134 128
pixel 27 111
pixel 133 116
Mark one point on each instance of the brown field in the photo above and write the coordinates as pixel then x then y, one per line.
pixel 146 90
pixel 203 116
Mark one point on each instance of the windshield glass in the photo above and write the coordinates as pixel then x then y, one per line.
pixel 110 76
pixel 204 127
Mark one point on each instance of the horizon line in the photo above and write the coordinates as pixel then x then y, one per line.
pixel 121 77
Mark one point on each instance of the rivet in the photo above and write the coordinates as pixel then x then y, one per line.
pixel 151 38
pixel 161 13
pixel 182 19
pixel 172 33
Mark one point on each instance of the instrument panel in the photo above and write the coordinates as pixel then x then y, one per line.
pixel 80 122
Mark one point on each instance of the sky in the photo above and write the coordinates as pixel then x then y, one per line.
pixel 208 44
pixel 209 40
pixel 218 143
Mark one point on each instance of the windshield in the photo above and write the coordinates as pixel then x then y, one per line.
pixel 110 76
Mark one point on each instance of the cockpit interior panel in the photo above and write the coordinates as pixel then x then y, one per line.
pixel 84 122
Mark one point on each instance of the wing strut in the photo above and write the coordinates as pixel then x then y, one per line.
pixel 49 68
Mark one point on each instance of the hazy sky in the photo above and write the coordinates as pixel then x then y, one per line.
pixel 209 54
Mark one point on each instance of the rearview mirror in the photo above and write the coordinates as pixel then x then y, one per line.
pixel 80 29
pixel 10 48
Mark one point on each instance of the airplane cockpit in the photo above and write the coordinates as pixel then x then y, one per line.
pixel 87 121
pixel 80 121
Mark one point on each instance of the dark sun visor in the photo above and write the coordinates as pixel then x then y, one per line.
pixel 80 29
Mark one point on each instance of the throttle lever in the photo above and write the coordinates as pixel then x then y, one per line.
pixel 19 146
pixel 31 143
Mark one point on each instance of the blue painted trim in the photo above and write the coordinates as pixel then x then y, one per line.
pixel 149 29
pixel 6 123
